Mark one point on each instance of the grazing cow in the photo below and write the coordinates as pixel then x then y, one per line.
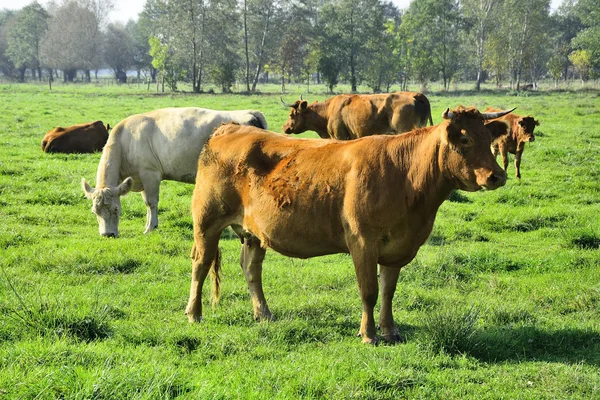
pixel 375 198
pixel 520 131
pixel 351 116
pixel 145 149
pixel 82 138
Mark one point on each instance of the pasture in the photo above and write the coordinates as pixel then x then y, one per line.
pixel 502 302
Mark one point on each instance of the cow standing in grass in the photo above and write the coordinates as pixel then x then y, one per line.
pixel 520 131
pixel 145 149
pixel 375 198
pixel 83 138
pixel 351 116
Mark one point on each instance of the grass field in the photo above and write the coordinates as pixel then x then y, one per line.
pixel 502 302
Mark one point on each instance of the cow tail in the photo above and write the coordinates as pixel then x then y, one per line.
pixel 216 278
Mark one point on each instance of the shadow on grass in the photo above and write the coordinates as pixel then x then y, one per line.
pixel 502 344
pixel 527 343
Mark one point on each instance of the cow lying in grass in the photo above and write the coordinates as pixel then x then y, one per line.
pixel 145 149
pixel 83 138
pixel 375 198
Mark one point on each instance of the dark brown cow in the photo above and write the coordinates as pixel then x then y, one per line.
pixel 520 131
pixel 82 138
pixel 375 198
pixel 351 116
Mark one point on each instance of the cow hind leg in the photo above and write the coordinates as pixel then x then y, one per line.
pixel 365 266
pixel 251 259
pixel 150 194
pixel 205 258
pixel 388 281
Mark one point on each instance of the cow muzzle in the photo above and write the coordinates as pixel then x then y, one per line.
pixel 494 180
pixel 109 234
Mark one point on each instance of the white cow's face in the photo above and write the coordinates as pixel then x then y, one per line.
pixel 106 204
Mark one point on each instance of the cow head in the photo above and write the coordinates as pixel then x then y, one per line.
pixel 466 157
pixel 297 122
pixel 526 127
pixel 106 204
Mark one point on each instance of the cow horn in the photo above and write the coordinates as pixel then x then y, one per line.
pixel 497 114
pixel 301 97
pixel 447 114
pixel 284 103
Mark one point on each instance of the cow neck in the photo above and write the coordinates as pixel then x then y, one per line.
pixel 110 164
pixel 320 118
pixel 420 163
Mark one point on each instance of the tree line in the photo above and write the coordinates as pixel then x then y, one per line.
pixel 369 42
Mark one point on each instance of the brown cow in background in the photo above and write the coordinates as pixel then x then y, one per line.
pixel 82 138
pixel 520 131
pixel 351 116
pixel 375 198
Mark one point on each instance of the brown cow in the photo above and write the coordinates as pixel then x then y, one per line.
pixel 351 116
pixel 520 131
pixel 375 198
pixel 82 138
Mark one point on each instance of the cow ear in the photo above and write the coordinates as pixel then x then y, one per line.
pixel 303 105
pixel 537 123
pixel 87 189
pixel 125 186
pixel 497 129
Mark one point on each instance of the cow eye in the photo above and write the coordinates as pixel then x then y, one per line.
pixel 464 141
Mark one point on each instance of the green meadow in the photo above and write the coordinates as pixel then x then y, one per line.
pixel 503 301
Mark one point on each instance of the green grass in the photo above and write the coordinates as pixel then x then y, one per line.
pixel 502 302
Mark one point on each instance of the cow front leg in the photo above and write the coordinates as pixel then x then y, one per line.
pixel 504 154
pixel 365 266
pixel 150 194
pixel 205 255
pixel 388 279
pixel 251 259
pixel 518 155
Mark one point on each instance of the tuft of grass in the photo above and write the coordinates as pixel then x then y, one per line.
pixel 451 331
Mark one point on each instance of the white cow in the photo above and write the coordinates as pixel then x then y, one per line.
pixel 144 149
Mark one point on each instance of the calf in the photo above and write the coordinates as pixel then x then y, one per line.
pixel 520 131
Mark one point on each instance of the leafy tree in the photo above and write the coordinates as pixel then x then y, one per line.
pixel 588 39
pixel 479 12
pixel 432 29
pixel 555 68
pixel 24 39
pixel 118 49
pixel 222 37
pixel 258 21
pixel 140 49
pixel 582 60
pixel 564 25
pixel 7 68
pixel 164 60
pixel 73 41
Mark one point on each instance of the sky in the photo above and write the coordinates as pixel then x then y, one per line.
pixel 129 9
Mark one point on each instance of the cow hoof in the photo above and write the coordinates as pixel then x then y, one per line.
pixel 366 340
pixel 192 317
pixel 393 338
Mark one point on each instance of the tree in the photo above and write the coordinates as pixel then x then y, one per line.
pixel 432 28
pixel 7 68
pixel 24 39
pixel 73 41
pixel 479 12
pixel 164 60
pixel 258 18
pixel 588 39
pixel 118 49
pixel 582 60
pixel 222 37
